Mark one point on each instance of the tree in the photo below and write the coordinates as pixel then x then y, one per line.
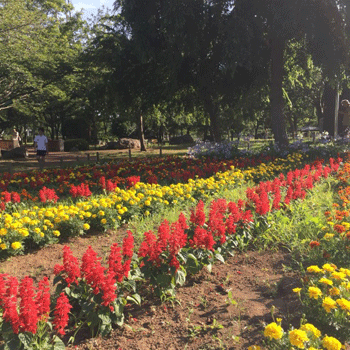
pixel 323 24
pixel 34 46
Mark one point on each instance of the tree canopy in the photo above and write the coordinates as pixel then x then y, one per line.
pixel 215 65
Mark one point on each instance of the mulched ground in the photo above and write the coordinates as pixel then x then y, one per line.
pixel 224 309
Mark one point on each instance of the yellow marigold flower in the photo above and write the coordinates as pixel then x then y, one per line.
pixel 346 271
pixel 3 246
pixel 297 290
pixel 24 232
pixel 329 304
pixel 86 227
pixel 298 337
pixel 56 233
pixel 101 213
pixel 147 213
pixel 329 267
pixel 103 221
pixel 331 343
pixel 308 327
pixel 314 269
pixel 273 331
pixel 344 304
pixel 16 245
pixel 334 291
pixel 254 347
pixel 326 281
pixel 337 275
pixel 314 292
pixel 328 236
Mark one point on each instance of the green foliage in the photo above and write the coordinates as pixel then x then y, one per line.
pixel 299 222
pixel 43 339
pixel 80 144
pixel 34 46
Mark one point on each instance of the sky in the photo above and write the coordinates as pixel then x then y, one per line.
pixel 91 6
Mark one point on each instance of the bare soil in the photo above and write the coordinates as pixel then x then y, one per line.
pixel 224 309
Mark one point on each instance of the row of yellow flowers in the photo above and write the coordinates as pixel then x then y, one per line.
pixel 44 224
pixel 326 299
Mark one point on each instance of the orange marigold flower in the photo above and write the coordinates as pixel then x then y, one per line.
pixel 314 244
pixel 339 228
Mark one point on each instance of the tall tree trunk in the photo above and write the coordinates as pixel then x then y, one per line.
pixel 278 121
pixel 141 134
pixel 212 109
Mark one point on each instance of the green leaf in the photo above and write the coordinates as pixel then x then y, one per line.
pixel 192 265
pixel 163 280
pixel 26 340
pixel 220 258
pixel 180 277
pixel 87 307
pixel 209 267
pixel 57 279
pixel 58 343
pixel 135 298
pixel 105 319
pixel 13 344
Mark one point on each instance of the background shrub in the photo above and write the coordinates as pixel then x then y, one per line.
pixel 79 144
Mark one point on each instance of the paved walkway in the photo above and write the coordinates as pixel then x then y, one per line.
pixel 59 159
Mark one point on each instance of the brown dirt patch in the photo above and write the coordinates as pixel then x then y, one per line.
pixel 205 317
pixel 68 159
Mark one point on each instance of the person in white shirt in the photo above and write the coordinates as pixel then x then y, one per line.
pixel 40 145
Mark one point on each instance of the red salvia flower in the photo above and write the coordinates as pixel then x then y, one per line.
pixel 198 215
pixel 42 298
pixel 28 317
pixel 115 262
pixel 70 267
pixel 61 314
pixel 3 277
pixel 128 245
pixel 108 289
pixel 92 270
pixel 182 221
pixel 10 304
pixel 230 225
pixel 132 181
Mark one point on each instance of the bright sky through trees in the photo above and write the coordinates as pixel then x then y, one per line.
pixel 91 6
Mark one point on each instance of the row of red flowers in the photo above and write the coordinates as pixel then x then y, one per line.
pixel 107 176
pixel 179 248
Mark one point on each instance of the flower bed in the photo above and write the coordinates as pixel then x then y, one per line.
pixel 45 224
pixel 96 295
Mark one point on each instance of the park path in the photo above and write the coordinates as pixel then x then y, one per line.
pixel 58 159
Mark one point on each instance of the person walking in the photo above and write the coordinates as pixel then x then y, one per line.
pixel 40 145
pixel 16 138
